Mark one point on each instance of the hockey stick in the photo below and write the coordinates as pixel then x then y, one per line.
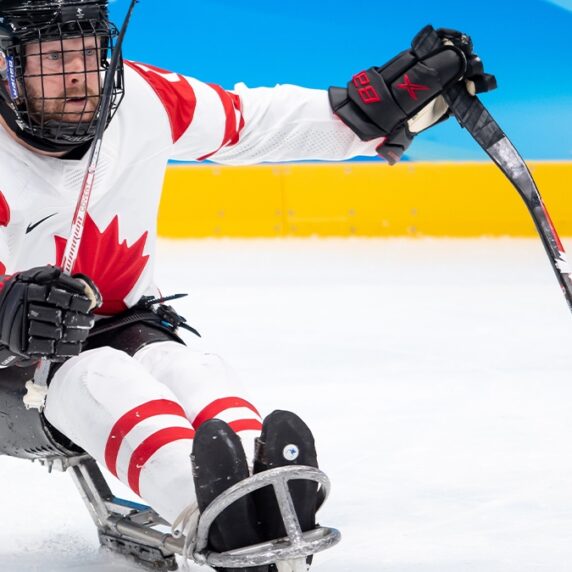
pixel 37 390
pixel 78 223
pixel 473 116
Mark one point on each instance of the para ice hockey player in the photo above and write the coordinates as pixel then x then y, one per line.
pixel 123 386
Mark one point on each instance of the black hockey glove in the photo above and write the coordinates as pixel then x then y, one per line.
pixel 45 313
pixel 402 98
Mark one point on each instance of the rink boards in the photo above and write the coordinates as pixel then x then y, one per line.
pixel 357 199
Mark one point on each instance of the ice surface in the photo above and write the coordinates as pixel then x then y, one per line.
pixel 436 375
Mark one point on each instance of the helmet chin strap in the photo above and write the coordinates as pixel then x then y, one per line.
pixel 36 142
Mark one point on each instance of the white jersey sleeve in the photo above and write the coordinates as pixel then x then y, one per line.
pixel 287 123
pixel 246 126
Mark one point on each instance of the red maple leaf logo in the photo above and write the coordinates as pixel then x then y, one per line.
pixel 114 267
pixel 4 210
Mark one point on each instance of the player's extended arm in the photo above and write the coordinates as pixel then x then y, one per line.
pixel 381 109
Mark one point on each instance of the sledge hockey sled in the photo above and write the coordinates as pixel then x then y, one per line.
pixel 135 530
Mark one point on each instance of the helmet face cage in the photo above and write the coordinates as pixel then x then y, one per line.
pixel 55 75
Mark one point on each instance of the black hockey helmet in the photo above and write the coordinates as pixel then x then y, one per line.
pixel 32 35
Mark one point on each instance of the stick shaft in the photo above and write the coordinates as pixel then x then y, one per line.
pixel 473 115
pixel 78 222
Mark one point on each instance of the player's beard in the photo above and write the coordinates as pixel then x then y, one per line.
pixel 75 106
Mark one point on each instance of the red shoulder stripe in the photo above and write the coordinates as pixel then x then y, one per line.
pixel 231 104
pixel 238 105
pixel 176 94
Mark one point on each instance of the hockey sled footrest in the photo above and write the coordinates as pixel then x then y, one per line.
pixel 296 544
pixel 145 555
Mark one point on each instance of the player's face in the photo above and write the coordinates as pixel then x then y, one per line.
pixel 63 80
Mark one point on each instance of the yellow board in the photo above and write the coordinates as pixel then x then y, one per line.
pixel 357 199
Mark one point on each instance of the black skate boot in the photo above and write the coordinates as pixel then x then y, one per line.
pixel 286 440
pixel 219 463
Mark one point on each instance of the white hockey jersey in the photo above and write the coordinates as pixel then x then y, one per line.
pixel 163 116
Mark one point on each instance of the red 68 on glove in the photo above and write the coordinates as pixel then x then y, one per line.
pixel 365 90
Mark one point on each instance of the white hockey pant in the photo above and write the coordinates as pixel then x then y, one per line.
pixel 137 416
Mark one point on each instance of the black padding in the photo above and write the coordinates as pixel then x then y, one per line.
pixel 475 66
pixel 37 293
pixel 393 147
pixel 77 320
pixel 25 433
pixel 129 336
pixel 68 349
pixel 59 298
pixel 73 335
pixel 80 304
pixel 352 116
pixel 41 307
pixel 40 347
pixel 44 330
pixel 45 314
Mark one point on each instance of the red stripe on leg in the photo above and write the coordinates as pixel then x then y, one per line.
pixel 130 420
pixel 245 425
pixel 149 447
pixel 216 407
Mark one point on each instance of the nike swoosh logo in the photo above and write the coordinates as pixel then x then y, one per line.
pixel 31 227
